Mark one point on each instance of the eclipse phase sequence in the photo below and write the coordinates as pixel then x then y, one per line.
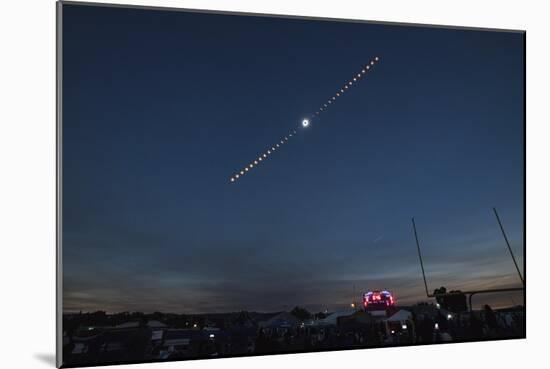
pixel 305 122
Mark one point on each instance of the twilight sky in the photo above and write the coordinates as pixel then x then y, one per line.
pixel 160 108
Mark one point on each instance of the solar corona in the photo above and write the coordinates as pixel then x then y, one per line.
pixel 306 122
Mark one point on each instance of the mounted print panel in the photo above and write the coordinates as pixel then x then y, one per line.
pixel 238 184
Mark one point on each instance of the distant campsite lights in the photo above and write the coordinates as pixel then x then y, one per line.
pixel 307 121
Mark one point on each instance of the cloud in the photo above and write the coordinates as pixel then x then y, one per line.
pixel 145 270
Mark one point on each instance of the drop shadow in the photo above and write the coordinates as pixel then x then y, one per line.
pixel 46 359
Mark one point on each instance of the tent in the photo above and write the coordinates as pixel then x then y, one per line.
pixel 134 324
pixel 400 316
pixel 281 320
pixel 332 319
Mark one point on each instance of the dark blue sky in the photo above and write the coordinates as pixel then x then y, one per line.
pixel 160 108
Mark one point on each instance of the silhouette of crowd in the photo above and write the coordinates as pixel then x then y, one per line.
pixel 98 338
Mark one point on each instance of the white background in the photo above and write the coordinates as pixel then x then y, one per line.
pixel 27 180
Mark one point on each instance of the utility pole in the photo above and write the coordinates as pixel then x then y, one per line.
pixel 420 257
pixel 508 244
pixel 353 302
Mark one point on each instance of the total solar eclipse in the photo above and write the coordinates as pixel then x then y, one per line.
pixel 306 121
